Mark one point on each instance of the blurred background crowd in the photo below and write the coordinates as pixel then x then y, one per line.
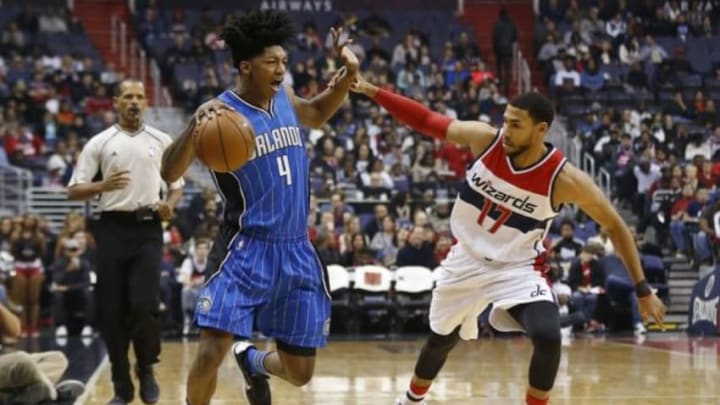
pixel 636 82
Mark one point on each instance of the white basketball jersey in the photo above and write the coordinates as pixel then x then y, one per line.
pixel 502 214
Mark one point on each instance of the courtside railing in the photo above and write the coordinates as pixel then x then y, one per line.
pixel 134 58
pixel 13 183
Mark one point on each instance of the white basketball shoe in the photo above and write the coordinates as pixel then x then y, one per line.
pixel 404 400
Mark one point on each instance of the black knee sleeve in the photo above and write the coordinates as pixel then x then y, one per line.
pixel 434 353
pixel 542 324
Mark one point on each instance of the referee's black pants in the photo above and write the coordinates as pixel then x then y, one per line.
pixel 128 292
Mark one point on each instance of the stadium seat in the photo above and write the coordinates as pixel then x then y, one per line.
pixel 372 296
pixel 341 296
pixel 656 272
pixel 413 293
pixel 619 291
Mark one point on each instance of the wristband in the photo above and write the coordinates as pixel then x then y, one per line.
pixel 642 289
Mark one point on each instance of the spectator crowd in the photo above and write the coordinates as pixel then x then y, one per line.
pixel 381 194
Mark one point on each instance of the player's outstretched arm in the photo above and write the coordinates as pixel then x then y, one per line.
pixel 573 186
pixel 180 154
pixel 474 134
pixel 314 113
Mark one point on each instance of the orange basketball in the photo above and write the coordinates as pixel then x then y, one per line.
pixel 224 142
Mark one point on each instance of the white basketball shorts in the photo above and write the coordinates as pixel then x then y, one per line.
pixel 466 286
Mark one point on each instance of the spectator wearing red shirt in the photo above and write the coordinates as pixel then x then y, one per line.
pixel 22 146
pixel 480 74
pixel 587 281
pixel 706 177
pixel 99 102
pixel 457 159
pixel 679 215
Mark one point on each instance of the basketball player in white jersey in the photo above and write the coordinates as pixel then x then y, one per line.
pixel 512 191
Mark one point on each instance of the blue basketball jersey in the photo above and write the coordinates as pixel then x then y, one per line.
pixel 268 196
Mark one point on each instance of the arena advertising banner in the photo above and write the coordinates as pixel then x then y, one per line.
pixel 339 5
pixel 703 315
pixel 321 6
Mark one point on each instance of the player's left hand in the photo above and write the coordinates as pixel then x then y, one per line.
pixel 651 306
pixel 349 60
pixel 165 211
pixel 210 108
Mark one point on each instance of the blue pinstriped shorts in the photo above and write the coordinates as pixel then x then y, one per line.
pixel 279 284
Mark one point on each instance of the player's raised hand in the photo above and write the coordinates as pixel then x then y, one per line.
pixel 350 61
pixel 651 306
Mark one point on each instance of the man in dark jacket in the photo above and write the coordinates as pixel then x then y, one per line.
pixel 587 281
pixel 70 287
pixel 417 251
pixel 504 38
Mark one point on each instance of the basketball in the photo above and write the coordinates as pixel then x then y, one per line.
pixel 224 142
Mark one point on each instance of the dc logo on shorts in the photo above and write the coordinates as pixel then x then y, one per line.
pixel 204 304
pixel 538 292
pixel 326 327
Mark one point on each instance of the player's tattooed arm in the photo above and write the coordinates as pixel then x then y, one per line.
pixel 314 113
pixel 574 186
pixel 180 154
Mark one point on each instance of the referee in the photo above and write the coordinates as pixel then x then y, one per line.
pixel 126 158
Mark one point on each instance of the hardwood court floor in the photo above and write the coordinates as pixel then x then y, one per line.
pixel 662 370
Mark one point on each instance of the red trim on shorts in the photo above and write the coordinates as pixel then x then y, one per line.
pixel 28 271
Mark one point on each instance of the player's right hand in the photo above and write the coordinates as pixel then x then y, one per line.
pixel 116 181
pixel 362 86
pixel 652 306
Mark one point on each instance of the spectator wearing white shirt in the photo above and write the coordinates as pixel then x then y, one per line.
pixel 646 173
pixel 602 239
pixel 629 52
pixel 568 78
pixel 592 25
pixel 549 49
pixel 567 247
pixel 376 176
pixel 404 51
pixel 616 28
pixel 52 21
pixel 652 52
pixel 698 146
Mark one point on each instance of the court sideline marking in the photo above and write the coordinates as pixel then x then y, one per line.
pixel 90 384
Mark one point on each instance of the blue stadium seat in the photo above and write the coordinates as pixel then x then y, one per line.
pixel 699 60
pixel 656 272
pixel 621 99
pixel 691 81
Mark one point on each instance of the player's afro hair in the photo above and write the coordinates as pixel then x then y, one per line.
pixel 248 35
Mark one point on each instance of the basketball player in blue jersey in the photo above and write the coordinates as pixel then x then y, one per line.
pixel 262 267
pixel 511 192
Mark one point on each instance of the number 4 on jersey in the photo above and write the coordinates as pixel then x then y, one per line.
pixel 284 168
pixel 491 206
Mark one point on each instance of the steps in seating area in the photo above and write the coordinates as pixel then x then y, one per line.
pixel 96 17
pixel 681 279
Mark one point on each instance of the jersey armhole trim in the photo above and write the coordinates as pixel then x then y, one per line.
pixel 551 189
pixel 489 148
